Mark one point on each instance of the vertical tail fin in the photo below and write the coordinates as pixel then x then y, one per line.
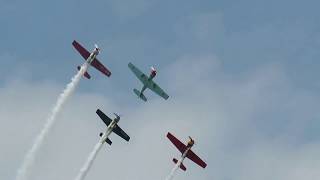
pixel 181 165
pixel 140 95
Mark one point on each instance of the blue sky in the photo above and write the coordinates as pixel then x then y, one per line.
pixel 243 34
pixel 243 72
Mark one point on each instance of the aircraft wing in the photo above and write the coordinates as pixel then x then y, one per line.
pixel 181 147
pixel 155 88
pixel 193 157
pixel 84 53
pixel 104 117
pixel 140 75
pixel 121 133
pixel 100 67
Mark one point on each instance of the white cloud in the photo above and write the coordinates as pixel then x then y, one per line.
pixel 221 112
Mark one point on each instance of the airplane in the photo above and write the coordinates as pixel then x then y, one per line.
pixel 91 59
pixel 147 83
pixel 186 152
pixel 112 126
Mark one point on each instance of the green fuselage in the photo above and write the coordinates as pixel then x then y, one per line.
pixel 144 87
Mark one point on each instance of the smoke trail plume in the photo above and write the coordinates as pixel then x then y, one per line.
pixel 86 167
pixel 175 168
pixel 67 92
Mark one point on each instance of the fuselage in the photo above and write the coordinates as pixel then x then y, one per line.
pixel 109 130
pixel 189 146
pixel 93 55
pixel 153 73
pixel 184 154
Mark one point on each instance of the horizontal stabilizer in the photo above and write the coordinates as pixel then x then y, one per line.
pixel 108 141
pixel 86 74
pixel 181 165
pixel 140 95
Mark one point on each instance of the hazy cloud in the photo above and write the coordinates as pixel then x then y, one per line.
pixel 221 113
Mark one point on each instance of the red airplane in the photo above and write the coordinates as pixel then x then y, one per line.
pixel 91 59
pixel 186 152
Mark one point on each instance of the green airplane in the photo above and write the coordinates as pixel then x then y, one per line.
pixel 147 83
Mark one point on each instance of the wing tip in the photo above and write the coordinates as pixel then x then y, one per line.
pixel 74 42
pixel 99 112
pixel 204 165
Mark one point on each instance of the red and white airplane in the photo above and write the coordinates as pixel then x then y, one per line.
pixel 91 59
pixel 186 152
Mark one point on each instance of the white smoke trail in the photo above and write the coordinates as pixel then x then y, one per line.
pixel 174 170
pixel 30 156
pixel 86 167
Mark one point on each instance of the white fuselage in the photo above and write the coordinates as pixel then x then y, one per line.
pixel 183 156
pixel 111 126
pixel 92 56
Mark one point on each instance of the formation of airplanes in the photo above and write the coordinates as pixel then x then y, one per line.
pixel 147 81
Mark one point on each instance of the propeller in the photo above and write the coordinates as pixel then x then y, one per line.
pixel 117 115
pixel 97 48
pixel 191 139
